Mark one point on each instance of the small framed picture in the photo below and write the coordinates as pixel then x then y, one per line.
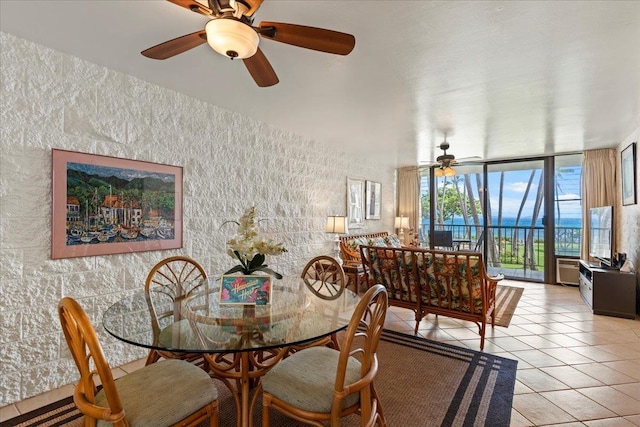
pixel 372 200
pixel 246 290
pixel 629 175
pixel 355 205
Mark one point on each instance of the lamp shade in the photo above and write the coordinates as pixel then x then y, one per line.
pixel 439 172
pixel 232 38
pixel 336 224
pixel 402 222
pixel 449 171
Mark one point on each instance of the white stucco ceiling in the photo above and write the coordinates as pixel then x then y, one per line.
pixel 507 78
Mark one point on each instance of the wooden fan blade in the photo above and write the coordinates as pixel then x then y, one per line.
pixel 261 70
pixel 254 5
pixel 309 37
pixel 193 6
pixel 178 45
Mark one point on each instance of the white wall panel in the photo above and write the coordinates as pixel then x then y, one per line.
pixel 52 100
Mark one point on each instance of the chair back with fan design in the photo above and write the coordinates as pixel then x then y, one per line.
pixel 322 385
pixel 325 277
pixel 140 397
pixel 174 279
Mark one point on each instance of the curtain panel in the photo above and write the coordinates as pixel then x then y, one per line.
pixel 409 195
pixel 598 188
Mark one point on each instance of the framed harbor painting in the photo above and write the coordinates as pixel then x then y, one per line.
pixel 105 205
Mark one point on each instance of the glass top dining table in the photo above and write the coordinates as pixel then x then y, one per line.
pixel 240 342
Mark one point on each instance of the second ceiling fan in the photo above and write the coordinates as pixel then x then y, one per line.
pixel 445 161
pixel 231 33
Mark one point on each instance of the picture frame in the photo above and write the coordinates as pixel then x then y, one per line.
pixel 250 289
pixel 372 200
pixel 355 203
pixel 104 205
pixel 629 175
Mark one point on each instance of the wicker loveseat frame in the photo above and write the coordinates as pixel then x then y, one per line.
pixel 453 284
pixel 349 248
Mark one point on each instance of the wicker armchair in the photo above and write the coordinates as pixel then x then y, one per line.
pixel 146 397
pixel 176 278
pixel 319 384
pixel 325 277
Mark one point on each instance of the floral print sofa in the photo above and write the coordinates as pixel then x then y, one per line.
pixel 452 284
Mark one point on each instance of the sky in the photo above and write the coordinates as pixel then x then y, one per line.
pixel 126 174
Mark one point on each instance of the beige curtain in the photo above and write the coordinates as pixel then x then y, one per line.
pixel 409 195
pixel 598 188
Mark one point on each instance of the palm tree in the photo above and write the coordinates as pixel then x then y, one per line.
pixel 530 258
pixel 500 200
pixel 516 232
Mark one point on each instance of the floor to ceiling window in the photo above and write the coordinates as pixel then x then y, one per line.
pixel 516 231
pixel 568 205
pixel 501 209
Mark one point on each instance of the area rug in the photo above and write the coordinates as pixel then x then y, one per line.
pixel 507 298
pixel 421 383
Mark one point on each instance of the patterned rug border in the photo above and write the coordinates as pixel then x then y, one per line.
pixel 504 312
pixel 502 395
pixel 37 416
pixel 497 413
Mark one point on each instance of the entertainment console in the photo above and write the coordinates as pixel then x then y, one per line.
pixel 608 291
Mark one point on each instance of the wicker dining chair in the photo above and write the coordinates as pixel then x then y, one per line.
pixel 168 393
pixel 175 278
pixel 320 384
pixel 326 279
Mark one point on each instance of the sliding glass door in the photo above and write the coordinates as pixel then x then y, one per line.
pixel 515 219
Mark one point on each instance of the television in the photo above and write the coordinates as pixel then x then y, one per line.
pixel 601 235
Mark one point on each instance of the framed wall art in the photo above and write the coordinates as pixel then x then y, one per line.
pixel 106 205
pixel 355 203
pixel 372 200
pixel 629 175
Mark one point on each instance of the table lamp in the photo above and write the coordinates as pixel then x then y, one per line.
pixel 337 225
pixel 402 222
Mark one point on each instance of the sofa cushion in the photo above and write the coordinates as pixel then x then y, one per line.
pixel 445 283
pixel 293 382
pixel 377 241
pixel 162 393
pixel 354 244
pixel 392 240
pixel 390 271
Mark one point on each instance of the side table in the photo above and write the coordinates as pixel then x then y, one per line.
pixel 354 272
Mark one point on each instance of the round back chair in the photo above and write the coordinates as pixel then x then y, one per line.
pixel 325 277
pixel 141 397
pixel 319 384
pixel 175 279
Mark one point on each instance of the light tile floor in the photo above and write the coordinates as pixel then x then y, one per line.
pixel 574 368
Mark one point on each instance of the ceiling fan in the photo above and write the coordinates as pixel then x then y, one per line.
pixel 445 161
pixel 231 33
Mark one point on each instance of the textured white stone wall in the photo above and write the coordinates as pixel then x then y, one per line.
pixel 52 100
pixel 628 217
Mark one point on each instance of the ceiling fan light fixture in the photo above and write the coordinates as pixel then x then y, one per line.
pixel 439 172
pixel 232 38
pixel 449 171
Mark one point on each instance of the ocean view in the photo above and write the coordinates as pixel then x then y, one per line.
pixel 511 222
